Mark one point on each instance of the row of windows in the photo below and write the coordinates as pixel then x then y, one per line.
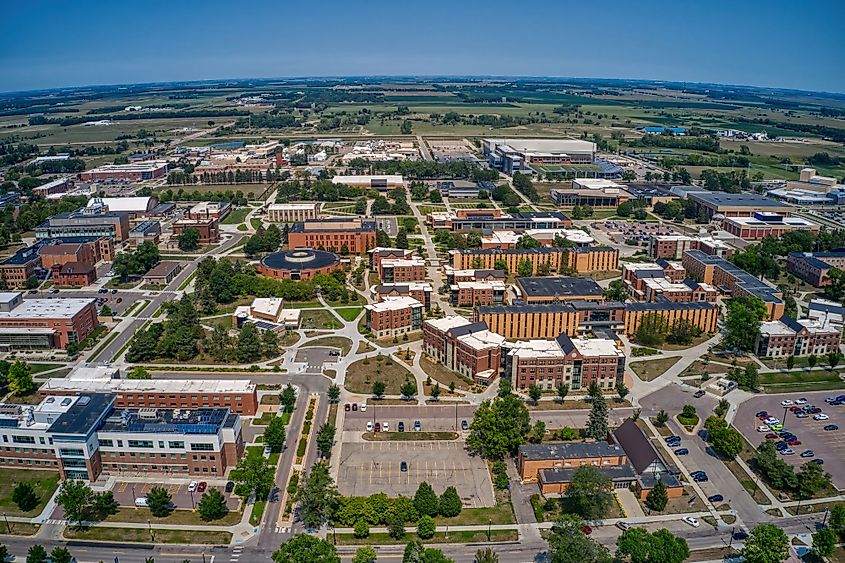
pixel 172 444
pixel 154 467
pixel 19 461
pixel 144 455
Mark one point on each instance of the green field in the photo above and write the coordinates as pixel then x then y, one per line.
pixel 236 216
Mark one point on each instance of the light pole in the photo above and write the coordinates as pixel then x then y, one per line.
pixel 150 525
pixel 193 506
pixel 489 524
pixel 9 528
pixel 824 520
pixel 731 541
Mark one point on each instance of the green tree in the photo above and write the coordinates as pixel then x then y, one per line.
pixel 104 504
pixel 75 498
pixel 742 322
pixel 811 479
pixel 622 391
pixel 812 360
pixel 402 239
pixel 274 435
pixel 189 239
pixel 634 545
pixel 639 546
pixel 534 392
pixel 724 439
pixel 435 392
pixel 305 547
pixel 60 555
pixel 325 439
pixel 159 502
pixel 824 543
pixel 365 554
pixel 658 497
pixel 652 330
pixel 396 527
pixel 406 127
pixel 408 389
pixel 766 543
pixel 212 505
pixel 597 426
pixel 19 379
pixel 449 504
pixel 426 527
pixel 138 372
pixel 590 493
pixel 569 544
pixel 499 426
pixel 253 475
pixel 616 291
pixel 317 496
pixel 425 500
pixel 524 269
pixel 486 555
pixel 562 391
pixel 661 419
pixel 361 529
pixel 269 344
pixel 837 518
pixel 106 311
pixel 833 359
pixel 36 554
pixel 249 344
pixel 790 362
pixel 378 389
pixel 416 552
pixel 23 495
pixel 287 397
pixel 334 393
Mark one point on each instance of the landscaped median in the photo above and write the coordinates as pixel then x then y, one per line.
pixel 453 536
pixel 148 535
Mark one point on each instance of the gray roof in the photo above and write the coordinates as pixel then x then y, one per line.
pixel 569 450
pixel 746 281
pixel 639 449
pixel 84 415
pixel 719 199
pixel 558 286
pixel 624 472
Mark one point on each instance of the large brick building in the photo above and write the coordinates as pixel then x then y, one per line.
pixel 418 290
pixel 379 253
pixel 673 246
pixel 74 274
pixel 554 259
pixel 463 346
pixel 394 316
pixel 559 288
pixel 43 324
pixel 470 293
pixel 355 236
pixel 814 267
pixel 207 227
pixel 701 315
pixel 762 225
pixel 788 337
pixel 402 270
pixel 719 272
pixel 576 362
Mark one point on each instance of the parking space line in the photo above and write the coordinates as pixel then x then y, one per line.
pixel 389 471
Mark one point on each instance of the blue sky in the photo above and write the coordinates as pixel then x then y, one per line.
pixel 51 43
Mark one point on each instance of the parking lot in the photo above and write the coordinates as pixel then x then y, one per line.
pixel 126 492
pixel 314 358
pixel 827 445
pixel 374 467
pixel 433 418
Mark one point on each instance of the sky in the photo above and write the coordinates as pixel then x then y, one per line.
pixel 52 43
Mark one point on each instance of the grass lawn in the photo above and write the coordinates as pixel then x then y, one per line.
pixel 236 216
pixel 816 380
pixel 38 368
pixel 44 483
pixel 20 529
pixel 349 313
pixel 652 369
pixel 502 513
pixel 443 375
pixel 265 418
pixel 257 512
pixel 695 342
pixel 698 367
pixel 255 222
pixel 439 537
pixel 319 319
pixel 143 535
pixel 344 344
pixel 361 375
pixel 186 517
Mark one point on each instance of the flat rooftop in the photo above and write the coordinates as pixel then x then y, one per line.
pixel 724 199
pixel 393 304
pixel 570 450
pixel 59 308
pixel 167 421
pixel 83 416
pixel 555 286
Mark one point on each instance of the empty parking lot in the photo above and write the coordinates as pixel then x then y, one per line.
pixel 829 446
pixel 374 467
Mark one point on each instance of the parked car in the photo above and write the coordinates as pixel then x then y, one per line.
pixel 369 427
pixel 777 427
pixel 363 407
pixel 378 427
pixel 201 486
pixel 192 486
pixel 787 451
pixel 801 414
pixel 587 530
pixel 417 426
pixel 101 290
pixel 808 453
pixel 795 409
pixel 786 403
pixel 55 290
pixel 230 486
pixel 692 521
pixel 795 442
pixel 762 414
pixel 347 407
pixel 801 401
pixel 771 436
pixel 820 416
pixel 114 291
pixel 403 467
pixel 355 407
pixel 716 498
pixel 817 461
pixel 386 427
pixel 622 525
pixel 762 429
pixel 740 535
pixel 681 451
pixel 401 427
pixel 464 425
pixel 141 501
pixel 831 427
pixel 698 394
pixel 671 438
pixel 829 400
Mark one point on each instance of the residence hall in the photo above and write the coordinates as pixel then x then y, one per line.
pixel 86 436
pixel 379 253
pixel 397 270
pixel 673 246
pixel 464 346
pixel 557 288
pixel 762 225
pixel 421 291
pixel 137 171
pixel 554 259
pixel 804 337
pixel 470 293
pixel 814 267
pixel 732 279
pixel 394 316
pixel 577 362
pixel 354 236
pixel 44 324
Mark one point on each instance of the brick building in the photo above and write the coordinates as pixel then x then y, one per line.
pixel 208 228
pixel 762 225
pixel 356 235
pixel 470 293
pixel 465 347
pixel 815 267
pixel 701 315
pixel 674 246
pixel 454 276
pixel 394 316
pixel 43 324
pixel 402 270
pixel 63 253
pixel 576 362
pixel 74 274
pixel 788 337
pixel 418 290
pixel 559 288
pixel 379 253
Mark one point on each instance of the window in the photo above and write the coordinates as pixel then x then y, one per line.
pixel 106 443
pixel 176 445
pixel 23 439
pixel 140 443
pixel 70 451
pixel 202 447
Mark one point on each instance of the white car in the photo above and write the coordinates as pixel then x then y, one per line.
pixel 801 401
pixel 369 427
pixel 820 416
pixel 692 521
pixel 762 429
pixel 771 421
pixel 192 486
pixel 786 403
pixel 386 427
pixel 363 407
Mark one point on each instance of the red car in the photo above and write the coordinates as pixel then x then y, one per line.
pixel 795 442
pixel 587 530
pixel 763 416
pixel 772 436
pixel 201 486
pixel 795 409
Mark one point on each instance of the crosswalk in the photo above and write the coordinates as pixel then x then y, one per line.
pixel 282 529
pixel 236 553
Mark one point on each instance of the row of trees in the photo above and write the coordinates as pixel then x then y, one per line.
pixel 379 509
pixel 136 262
pixel 265 240
pixel 308 548
pixel 654 329
pixel 805 483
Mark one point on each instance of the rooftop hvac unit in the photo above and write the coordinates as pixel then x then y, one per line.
pixel 147 414
pixel 125 415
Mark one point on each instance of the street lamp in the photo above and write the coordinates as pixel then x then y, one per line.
pixel 152 536
pixel 489 524
pixel 193 506
pixel 9 528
